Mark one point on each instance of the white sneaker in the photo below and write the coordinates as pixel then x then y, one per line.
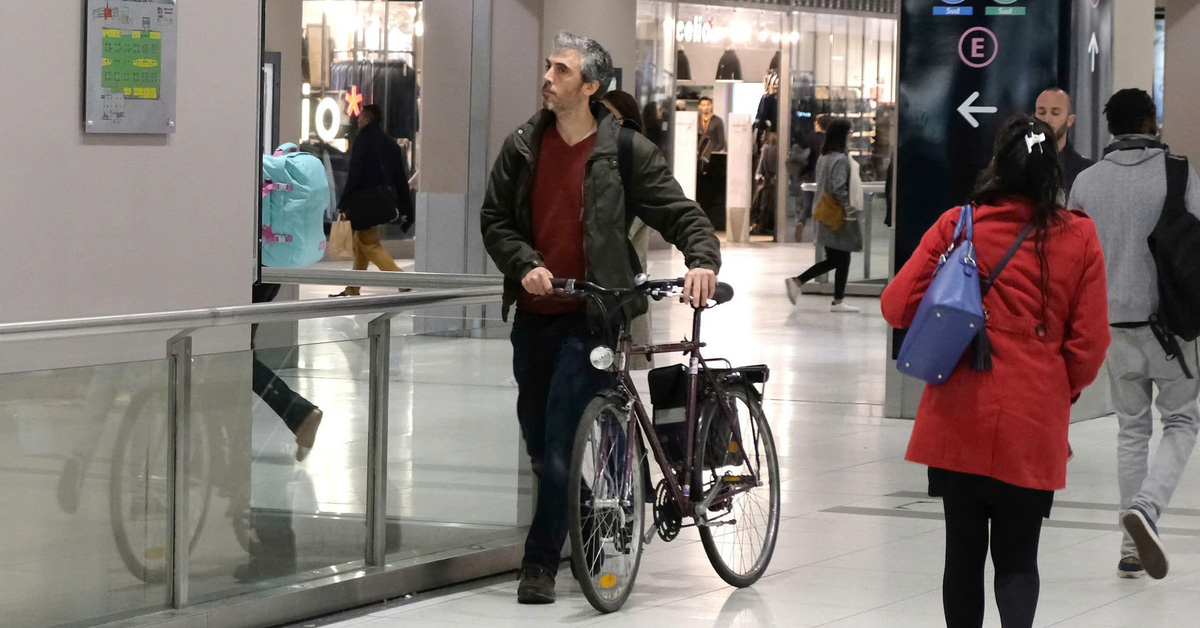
pixel 793 289
pixel 843 308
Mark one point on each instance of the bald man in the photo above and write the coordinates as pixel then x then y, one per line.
pixel 1054 108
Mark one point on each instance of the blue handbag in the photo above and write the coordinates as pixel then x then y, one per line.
pixel 951 312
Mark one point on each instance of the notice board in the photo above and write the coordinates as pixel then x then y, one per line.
pixel 130 66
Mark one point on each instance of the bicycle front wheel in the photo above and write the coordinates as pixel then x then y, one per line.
pixel 737 452
pixel 605 499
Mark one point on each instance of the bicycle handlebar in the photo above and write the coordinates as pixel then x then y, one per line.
pixel 724 292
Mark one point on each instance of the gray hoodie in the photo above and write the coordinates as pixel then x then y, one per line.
pixel 1124 195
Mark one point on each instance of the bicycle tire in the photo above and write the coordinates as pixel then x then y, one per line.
pixel 715 545
pixel 605 590
pixel 151 566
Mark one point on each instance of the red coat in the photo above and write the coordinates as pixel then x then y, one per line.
pixel 1011 424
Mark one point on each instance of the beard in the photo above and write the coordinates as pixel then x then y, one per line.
pixel 1061 132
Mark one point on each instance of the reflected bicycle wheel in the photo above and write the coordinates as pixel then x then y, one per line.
pixel 743 519
pixel 140 487
pixel 605 497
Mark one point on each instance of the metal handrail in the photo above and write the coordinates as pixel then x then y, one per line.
pixel 246 314
pixel 331 277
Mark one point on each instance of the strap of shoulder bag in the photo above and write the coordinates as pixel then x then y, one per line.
pixel 990 280
pixel 1178 172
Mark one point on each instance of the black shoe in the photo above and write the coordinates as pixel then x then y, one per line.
pixel 537 586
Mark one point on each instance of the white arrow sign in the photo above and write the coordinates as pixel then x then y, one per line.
pixel 1094 50
pixel 967 110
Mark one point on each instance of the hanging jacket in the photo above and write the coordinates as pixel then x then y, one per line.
pixel 1011 423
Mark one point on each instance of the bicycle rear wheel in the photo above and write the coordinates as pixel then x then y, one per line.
pixel 605 498
pixel 743 520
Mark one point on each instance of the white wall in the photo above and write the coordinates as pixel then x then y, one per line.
pixel 613 23
pixel 1181 89
pixel 123 224
pixel 284 34
pixel 1133 41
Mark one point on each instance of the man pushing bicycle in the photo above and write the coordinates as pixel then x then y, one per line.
pixel 559 203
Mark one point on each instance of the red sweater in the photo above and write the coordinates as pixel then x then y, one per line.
pixel 558 217
pixel 1011 424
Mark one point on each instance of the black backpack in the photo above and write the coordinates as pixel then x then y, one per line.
pixel 1175 245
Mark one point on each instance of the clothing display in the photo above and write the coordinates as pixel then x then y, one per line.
pixel 391 84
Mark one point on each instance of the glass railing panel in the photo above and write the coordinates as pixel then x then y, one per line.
pixel 85 486
pixel 272 520
pixel 457 474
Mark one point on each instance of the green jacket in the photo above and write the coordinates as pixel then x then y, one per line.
pixel 506 218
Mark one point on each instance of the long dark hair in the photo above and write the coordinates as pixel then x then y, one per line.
pixel 837 135
pixel 626 106
pixel 1025 168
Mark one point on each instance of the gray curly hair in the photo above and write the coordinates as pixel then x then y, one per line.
pixel 595 62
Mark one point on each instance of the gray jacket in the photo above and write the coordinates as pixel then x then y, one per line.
pixel 833 176
pixel 1124 194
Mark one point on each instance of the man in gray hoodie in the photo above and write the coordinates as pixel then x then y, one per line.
pixel 1124 194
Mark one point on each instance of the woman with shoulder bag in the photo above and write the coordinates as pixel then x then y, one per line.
pixel 994 434
pixel 837 219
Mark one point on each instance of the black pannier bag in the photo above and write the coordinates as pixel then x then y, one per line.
pixel 668 395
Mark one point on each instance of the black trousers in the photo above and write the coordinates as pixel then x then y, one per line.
pixel 555 383
pixel 287 403
pixel 837 261
pixel 1014 536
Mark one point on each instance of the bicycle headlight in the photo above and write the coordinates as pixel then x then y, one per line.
pixel 603 358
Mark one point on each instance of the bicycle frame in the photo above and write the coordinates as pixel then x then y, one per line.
pixel 680 492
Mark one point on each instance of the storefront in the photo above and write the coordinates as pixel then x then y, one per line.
pixel 770 72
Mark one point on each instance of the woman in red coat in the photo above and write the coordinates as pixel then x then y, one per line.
pixel 996 442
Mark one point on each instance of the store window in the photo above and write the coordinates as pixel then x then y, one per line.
pixel 329 59
pixel 732 58
pixel 356 54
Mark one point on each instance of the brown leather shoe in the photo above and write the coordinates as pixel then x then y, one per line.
pixel 306 434
pixel 537 586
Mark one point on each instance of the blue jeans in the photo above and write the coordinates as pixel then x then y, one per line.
pixel 555 381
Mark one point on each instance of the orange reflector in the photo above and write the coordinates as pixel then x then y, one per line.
pixel 733 447
pixel 734 478
pixel 608 581
pixel 155 553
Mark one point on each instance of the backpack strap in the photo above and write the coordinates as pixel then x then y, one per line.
pixel 625 167
pixel 1178 172
pixel 1133 144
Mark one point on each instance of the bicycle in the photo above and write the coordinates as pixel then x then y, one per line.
pixel 717 479
pixel 140 484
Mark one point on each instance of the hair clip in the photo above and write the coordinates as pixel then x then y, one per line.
pixel 1034 139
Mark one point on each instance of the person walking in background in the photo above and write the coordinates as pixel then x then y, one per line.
pixel 624 108
pixel 1055 109
pixel 376 192
pixel 833 178
pixel 995 442
pixel 1124 194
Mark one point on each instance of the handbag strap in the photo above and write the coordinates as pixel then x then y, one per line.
pixel 1012 250
pixel 966 225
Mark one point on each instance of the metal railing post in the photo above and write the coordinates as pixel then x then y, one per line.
pixel 179 431
pixel 379 332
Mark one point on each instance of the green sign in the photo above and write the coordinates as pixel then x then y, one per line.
pixel 1006 10
pixel 132 63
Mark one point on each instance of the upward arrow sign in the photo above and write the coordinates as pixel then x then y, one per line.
pixel 1094 50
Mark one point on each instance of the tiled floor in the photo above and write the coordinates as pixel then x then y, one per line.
pixel 860 545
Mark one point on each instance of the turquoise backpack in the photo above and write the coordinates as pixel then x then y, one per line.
pixel 295 196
